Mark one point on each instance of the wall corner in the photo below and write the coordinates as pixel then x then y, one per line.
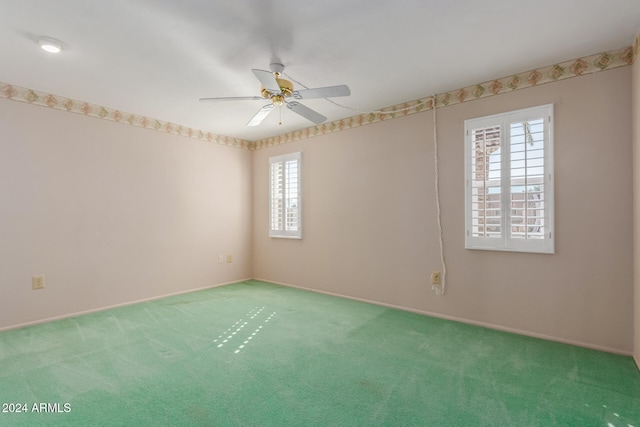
pixel 635 122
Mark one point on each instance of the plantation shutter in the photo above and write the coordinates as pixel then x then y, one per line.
pixel 509 191
pixel 527 186
pixel 486 186
pixel 285 196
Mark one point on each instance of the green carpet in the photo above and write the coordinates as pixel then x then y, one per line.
pixel 256 354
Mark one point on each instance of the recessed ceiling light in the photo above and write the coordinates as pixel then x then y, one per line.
pixel 50 45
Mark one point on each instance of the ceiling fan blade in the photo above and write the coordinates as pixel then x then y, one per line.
pixel 268 80
pixel 260 115
pixel 306 112
pixel 322 92
pixel 232 98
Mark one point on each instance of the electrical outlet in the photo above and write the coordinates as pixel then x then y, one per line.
pixel 229 258
pixel 220 259
pixel 37 282
pixel 435 278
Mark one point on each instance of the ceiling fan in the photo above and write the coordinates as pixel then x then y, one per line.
pixel 280 92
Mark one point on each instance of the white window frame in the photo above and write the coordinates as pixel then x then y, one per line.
pixel 278 226
pixel 505 240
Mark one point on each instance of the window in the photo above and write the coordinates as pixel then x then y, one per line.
pixel 285 213
pixel 509 181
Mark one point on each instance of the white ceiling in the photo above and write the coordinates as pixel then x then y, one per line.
pixel 158 57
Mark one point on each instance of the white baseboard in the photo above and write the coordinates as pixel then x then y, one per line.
pixel 109 307
pixel 468 321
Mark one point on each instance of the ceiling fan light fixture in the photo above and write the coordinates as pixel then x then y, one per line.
pixel 50 45
pixel 277 99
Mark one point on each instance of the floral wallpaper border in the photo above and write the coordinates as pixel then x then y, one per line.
pixel 564 70
pixel 31 96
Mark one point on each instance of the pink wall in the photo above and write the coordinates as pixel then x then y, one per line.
pixel 112 214
pixel 370 229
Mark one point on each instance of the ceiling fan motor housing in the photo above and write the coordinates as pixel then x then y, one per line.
pixel 286 89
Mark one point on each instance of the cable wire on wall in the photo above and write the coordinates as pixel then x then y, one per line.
pixel 438 289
